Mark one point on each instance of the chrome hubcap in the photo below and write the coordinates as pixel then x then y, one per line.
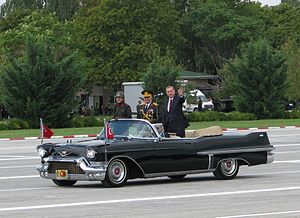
pixel 117 172
pixel 228 166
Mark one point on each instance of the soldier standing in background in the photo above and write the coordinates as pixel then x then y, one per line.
pixel 148 110
pixel 121 109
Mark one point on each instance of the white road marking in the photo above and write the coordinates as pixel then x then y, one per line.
pixel 20 158
pixel 23 189
pixel 13 167
pixel 273 173
pixel 282 135
pixel 287 152
pixel 262 214
pixel 149 199
pixel 5 156
pixel 12 147
pixel 286 145
pixel 19 177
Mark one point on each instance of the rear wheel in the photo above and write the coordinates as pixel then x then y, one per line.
pixel 116 174
pixel 64 182
pixel 227 169
pixel 177 177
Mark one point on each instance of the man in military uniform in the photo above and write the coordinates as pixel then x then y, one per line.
pixel 121 109
pixel 148 110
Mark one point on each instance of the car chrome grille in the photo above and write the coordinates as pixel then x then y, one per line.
pixel 71 167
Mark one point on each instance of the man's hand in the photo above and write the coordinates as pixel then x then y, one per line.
pixel 180 91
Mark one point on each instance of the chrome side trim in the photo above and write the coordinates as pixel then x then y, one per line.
pixel 178 173
pixel 210 158
pixel 234 151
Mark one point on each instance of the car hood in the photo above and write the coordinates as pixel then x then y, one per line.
pixel 74 149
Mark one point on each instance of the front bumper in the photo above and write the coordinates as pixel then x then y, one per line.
pixel 270 157
pixel 84 170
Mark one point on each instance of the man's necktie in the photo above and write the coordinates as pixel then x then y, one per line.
pixel 171 104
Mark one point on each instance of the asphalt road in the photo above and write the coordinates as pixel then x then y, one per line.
pixel 271 190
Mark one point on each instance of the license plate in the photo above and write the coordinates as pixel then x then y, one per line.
pixel 62 174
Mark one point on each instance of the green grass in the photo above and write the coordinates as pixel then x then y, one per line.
pixel 57 132
pixel 193 125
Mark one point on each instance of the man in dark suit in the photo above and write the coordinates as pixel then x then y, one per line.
pixel 173 118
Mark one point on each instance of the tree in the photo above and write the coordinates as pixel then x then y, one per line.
pixel 284 25
pixel 258 77
pixel 64 10
pixel 292 53
pixel 161 72
pixel 122 37
pixel 42 84
pixel 291 2
pixel 40 25
pixel 215 30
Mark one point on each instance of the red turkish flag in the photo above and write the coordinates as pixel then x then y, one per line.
pixel 47 132
pixel 108 132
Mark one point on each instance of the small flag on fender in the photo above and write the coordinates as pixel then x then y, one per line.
pixel 108 132
pixel 47 132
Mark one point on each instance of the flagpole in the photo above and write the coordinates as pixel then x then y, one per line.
pixel 105 140
pixel 42 130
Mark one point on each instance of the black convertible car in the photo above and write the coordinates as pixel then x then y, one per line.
pixel 140 150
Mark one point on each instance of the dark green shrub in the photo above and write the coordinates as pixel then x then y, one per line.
pixel 192 117
pixel 78 121
pixel 14 124
pixel 295 114
pixel 240 116
pixel 90 121
pixel 211 116
pixel 3 126
pixel 218 116
pixel 24 124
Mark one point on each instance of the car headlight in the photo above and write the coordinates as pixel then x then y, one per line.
pixel 90 153
pixel 42 152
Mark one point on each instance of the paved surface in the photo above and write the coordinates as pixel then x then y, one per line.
pixel 271 190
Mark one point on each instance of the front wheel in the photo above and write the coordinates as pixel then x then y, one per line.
pixel 116 174
pixel 227 169
pixel 64 182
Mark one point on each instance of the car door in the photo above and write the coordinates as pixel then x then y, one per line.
pixel 177 155
pixel 140 151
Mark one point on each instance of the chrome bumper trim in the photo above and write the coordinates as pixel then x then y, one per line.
pixel 92 173
pixel 270 157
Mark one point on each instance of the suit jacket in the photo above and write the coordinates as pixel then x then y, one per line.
pixel 174 121
pixel 122 110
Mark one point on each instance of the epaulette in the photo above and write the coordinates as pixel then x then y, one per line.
pixel 143 103
pixel 155 104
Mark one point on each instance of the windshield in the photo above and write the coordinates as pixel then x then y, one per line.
pixel 130 129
